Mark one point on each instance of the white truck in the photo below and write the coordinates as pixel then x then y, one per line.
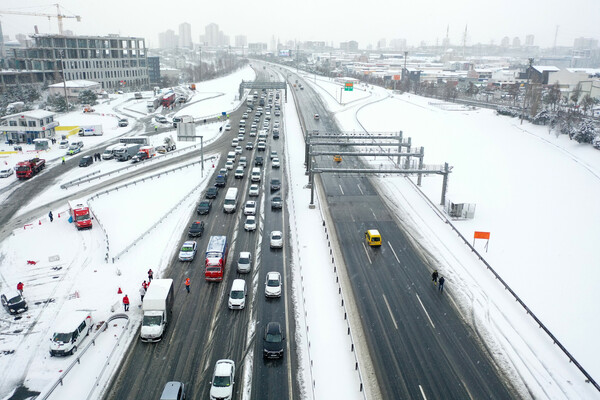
pixel 157 307
pixel 109 152
pixel 91 130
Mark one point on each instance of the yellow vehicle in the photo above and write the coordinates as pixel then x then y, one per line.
pixel 337 158
pixel 373 237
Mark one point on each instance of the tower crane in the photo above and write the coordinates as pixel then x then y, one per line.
pixel 58 16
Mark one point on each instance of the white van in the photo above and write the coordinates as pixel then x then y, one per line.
pixel 70 332
pixel 231 156
pixel 237 295
pixel 109 152
pixel 255 174
pixel 230 204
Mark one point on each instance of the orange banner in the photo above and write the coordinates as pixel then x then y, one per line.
pixel 481 235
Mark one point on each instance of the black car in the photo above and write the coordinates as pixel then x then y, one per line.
pixel 273 341
pixel 212 193
pixel 86 161
pixel 276 203
pixel 275 134
pixel 275 185
pixel 258 160
pixel 15 305
pixel 196 229
pixel 123 122
pixel 204 207
pixel 220 181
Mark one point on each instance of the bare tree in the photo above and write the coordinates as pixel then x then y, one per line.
pixel 553 96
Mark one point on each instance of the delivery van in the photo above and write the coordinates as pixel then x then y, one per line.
pixel 70 332
pixel 230 204
pixel 237 295
pixel 255 174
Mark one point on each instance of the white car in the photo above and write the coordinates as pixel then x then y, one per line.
pixel 243 161
pixel 229 164
pixel 266 124
pixel 275 163
pixel 5 173
pixel 235 142
pixel 254 190
pixel 244 262
pixel 221 385
pixel 274 154
pixel 188 251
pixel 242 130
pixel 250 224
pixel 228 127
pixel 223 171
pixel 276 240
pixel 239 172
pixel 273 284
pixel 238 150
pixel 250 208
pixel 261 146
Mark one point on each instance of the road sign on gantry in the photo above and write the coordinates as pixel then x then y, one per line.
pixel 349 86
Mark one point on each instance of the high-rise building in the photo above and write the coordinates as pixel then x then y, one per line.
pixel 349 46
pixel 516 42
pixel 185 36
pixel 505 41
pixel 168 40
pixel 211 34
pixel 381 44
pixel 241 41
pixel 529 40
pixel 113 61
pixel 398 44
pixel 154 70
pixel 585 43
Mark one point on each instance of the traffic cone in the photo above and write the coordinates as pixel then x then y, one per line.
pixel 119 291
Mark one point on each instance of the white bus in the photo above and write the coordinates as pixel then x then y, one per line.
pixel 230 204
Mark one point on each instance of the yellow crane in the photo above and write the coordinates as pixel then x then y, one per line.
pixel 58 16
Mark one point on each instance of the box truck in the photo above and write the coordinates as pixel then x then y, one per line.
pixel 80 214
pixel 126 152
pixel 91 130
pixel 157 308
pixel 216 258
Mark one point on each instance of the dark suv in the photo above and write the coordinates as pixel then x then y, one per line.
pixel 212 192
pixel 196 229
pixel 276 203
pixel 14 305
pixel 258 160
pixel 273 341
pixel 275 185
pixel 220 181
pixel 204 207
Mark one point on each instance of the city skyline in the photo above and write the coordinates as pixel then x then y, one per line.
pixel 331 23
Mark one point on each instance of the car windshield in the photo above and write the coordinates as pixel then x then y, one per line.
pixel 276 237
pixel 204 204
pixel 62 337
pixel 23 168
pixel 213 269
pixel 273 282
pixel 274 337
pixel 15 300
pixel 151 320
pixel 82 217
pixel 187 248
pixel 237 294
pixel 244 260
pixel 275 182
pixel 222 381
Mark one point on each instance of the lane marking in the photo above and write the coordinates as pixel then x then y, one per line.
pixel 341 190
pixel 422 392
pixel 358 186
pixel 367 253
pixel 390 311
pixel 393 251
pixel 426 313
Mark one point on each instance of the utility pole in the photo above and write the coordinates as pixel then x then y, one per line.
pixel 526 88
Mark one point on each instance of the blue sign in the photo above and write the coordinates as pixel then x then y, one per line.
pixel 224 113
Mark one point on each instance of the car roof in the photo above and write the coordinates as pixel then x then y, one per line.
pixel 171 390
pixel 273 327
pixel 275 273
pixel 276 232
pixel 224 367
pixel 189 243
pixel 245 254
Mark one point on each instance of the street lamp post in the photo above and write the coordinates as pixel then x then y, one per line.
pixel 62 68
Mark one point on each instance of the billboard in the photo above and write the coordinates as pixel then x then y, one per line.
pixel 285 53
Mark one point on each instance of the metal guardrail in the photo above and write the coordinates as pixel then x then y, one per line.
pixel 134 242
pixel 71 183
pixel 80 354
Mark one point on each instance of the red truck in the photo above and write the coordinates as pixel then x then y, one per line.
pixel 168 99
pixel 216 258
pixel 80 214
pixel 27 169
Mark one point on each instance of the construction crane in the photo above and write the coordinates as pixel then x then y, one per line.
pixel 58 16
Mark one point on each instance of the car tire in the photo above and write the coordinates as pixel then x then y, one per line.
pixel 74 350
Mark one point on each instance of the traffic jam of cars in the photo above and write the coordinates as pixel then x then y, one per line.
pixel 248 158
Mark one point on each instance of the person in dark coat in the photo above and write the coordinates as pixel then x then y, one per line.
pixel 442 280
pixel 150 275
pixel 50 216
pixel 434 277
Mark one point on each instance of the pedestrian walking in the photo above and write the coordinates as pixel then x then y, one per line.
pixel 145 285
pixel 63 160
pixel 142 293
pixel 50 216
pixel 126 303
pixel 155 128
pixel 150 276
pixel 434 277
pixel 20 287
pixel 442 280
pixel 187 284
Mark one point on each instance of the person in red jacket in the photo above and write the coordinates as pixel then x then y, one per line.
pixel 126 303
pixel 20 287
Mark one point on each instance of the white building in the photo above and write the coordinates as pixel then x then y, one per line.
pixel 26 126
pixel 74 88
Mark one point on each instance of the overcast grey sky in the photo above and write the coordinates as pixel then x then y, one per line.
pixel 322 20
